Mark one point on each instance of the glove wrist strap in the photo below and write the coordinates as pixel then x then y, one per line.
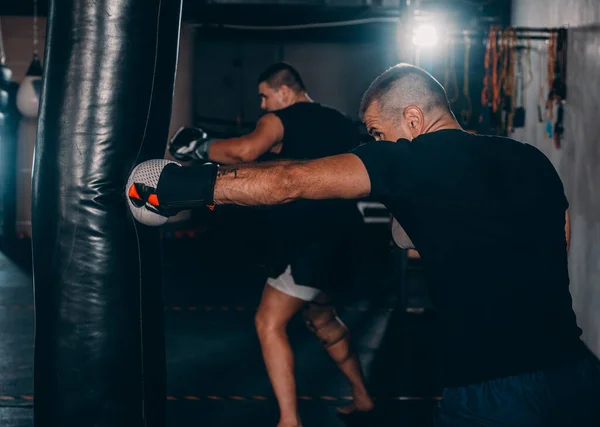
pixel 181 188
pixel 202 151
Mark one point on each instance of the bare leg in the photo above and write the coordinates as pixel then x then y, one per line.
pixel 274 313
pixel 321 319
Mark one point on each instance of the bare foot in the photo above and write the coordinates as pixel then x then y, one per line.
pixel 293 422
pixel 360 406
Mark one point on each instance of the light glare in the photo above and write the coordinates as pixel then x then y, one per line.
pixel 425 36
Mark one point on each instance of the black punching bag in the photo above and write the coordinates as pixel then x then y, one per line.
pixel 109 72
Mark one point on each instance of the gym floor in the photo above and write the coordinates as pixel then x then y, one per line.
pixel 216 375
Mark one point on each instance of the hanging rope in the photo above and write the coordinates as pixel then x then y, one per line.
pixel 509 73
pixel 495 80
pixel 2 52
pixel 468 110
pixel 551 60
pixel 523 78
pixel 487 92
pixel 509 78
pixel 549 109
pixel 450 73
pixel 35 30
pixel 528 64
pixel 541 94
pixel 562 62
pixel 558 90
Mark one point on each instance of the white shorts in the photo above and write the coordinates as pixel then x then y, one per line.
pixel 400 237
pixel 285 284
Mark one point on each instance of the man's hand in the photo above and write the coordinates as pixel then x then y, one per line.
pixel 190 143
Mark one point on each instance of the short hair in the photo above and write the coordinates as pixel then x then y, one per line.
pixel 281 74
pixel 403 85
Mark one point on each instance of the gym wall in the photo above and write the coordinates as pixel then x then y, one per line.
pixel 336 74
pixel 577 161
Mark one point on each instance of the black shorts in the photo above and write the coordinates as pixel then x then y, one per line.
pixel 323 265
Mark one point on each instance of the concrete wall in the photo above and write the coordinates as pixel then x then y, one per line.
pixel 338 74
pixel 578 160
pixel 18 38
pixel 335 74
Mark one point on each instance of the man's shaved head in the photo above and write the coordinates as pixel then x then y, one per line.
pixel 401 86
pixel 405 102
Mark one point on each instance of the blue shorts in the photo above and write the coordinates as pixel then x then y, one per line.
pixel 565 396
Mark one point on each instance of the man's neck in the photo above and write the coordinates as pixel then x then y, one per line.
pixel 444 122
pixel 302 97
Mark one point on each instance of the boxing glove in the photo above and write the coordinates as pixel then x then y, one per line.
pixel 159 189
pixel 190 143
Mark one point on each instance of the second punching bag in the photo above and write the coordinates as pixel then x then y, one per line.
pixel 109 72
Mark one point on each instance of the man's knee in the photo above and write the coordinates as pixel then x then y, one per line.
pixel 267 322
pixel 263 322
pixel 322 320
pixel 259 321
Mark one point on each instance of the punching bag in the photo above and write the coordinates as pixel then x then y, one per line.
pixel 109 71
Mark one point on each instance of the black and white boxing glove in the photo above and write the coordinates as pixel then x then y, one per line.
pixel 159 189
pixel 190 143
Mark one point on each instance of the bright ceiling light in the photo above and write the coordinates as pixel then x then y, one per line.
pixel 425 35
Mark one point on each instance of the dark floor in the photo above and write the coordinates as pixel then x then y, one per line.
pixel 210 325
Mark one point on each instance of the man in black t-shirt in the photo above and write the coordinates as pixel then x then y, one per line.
pixel 512 354
pixel 308 239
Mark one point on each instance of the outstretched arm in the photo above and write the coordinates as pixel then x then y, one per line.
pixel 267 134
pixel 157 189
pixel 337 177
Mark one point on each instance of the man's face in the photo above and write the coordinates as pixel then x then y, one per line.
pixel 271 99
pixel 384 128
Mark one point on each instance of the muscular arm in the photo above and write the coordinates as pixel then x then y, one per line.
pixel 337 177
pixel 247 148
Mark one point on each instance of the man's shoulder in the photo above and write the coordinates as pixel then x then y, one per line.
pixel 527 152
pixel 383 150
pixel 316 108
pixel 460 141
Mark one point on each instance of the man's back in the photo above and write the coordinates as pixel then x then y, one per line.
pixel 487 215
pixel 313 131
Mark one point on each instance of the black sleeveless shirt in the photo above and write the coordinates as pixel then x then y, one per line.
pixel 313 131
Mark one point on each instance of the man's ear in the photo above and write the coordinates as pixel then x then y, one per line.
pixel 415 119
pixel 285 92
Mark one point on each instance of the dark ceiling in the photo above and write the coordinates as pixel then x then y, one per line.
pixel 281 12
pixel 214 16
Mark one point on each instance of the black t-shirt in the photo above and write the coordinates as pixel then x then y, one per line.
pixel 487 215
pixel 312 131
